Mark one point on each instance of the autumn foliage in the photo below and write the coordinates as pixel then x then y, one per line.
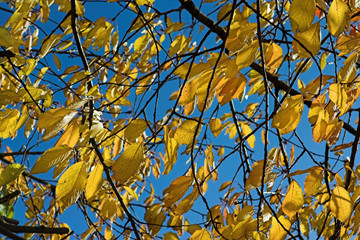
pixel 208 119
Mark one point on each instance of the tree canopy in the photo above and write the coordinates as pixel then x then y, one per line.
pixel 204 119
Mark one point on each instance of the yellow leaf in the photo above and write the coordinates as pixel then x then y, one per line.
pixel 131 192
pixel 288 117
pixel 277 232
pixel 247 55
pixel 155 216
pixel 141 43
pixel 177 189
pixel 11 173
pixel 255 176
pixel 6 39
pixel 108 208
pixel 49 44
pixel 313 181
pixel 54 120
pixel 52 157
pixel 187 203
pixel 171 147
pixel 230 88
pixel 301 14
pixel 273 55
pixel 94 182
pixel 246 130
pixel 129 162
pixel 135 129
pixel 215 126
pixel 310 39
pixel 250 109
pixel 188 92
pixel 185 133
pixel 70 185
pixel 294 199
pixel 202 234
pixel 170 236
pixel 337 95
pixel 8 122
pixel 338 17
pixel 341 204
pixel 71 136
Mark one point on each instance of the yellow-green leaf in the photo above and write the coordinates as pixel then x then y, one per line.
pixel 185 134
pixel 70 185
pixel 11 173
pixel 301 14
pixel 6 39
pixel 129 162
pixel 135 129
pixel 294 199
pixel 310 39
pixel 341 204
pixel 94 182
pixel 338 17
pixel 51 157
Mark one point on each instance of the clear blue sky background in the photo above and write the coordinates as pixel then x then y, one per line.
pixel 94 10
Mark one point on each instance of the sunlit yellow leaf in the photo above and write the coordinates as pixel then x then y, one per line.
pixel 273 55
pixel 301 14
pixel 313 181
pixel 71 136
pixel 94 182
pixel 70 185
pixel 177 189
pixel 247 55
pixel 52 157
pixel 11 173
pixel 337 95
pixel 294 199
pixel 171 147
pixel 341 204
pixel 129 162
pixel 8 122
pixel 288 117
pixel 202 234
pixel 185 133
pixel 229 89
pixel 255 177
pixel 54 120
pixel 338 17
pixel 246 130
pixel 135 129
pixel 215 126
pixel 141 43
pixel 310 39
pixel 277 231
pixel 188 92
